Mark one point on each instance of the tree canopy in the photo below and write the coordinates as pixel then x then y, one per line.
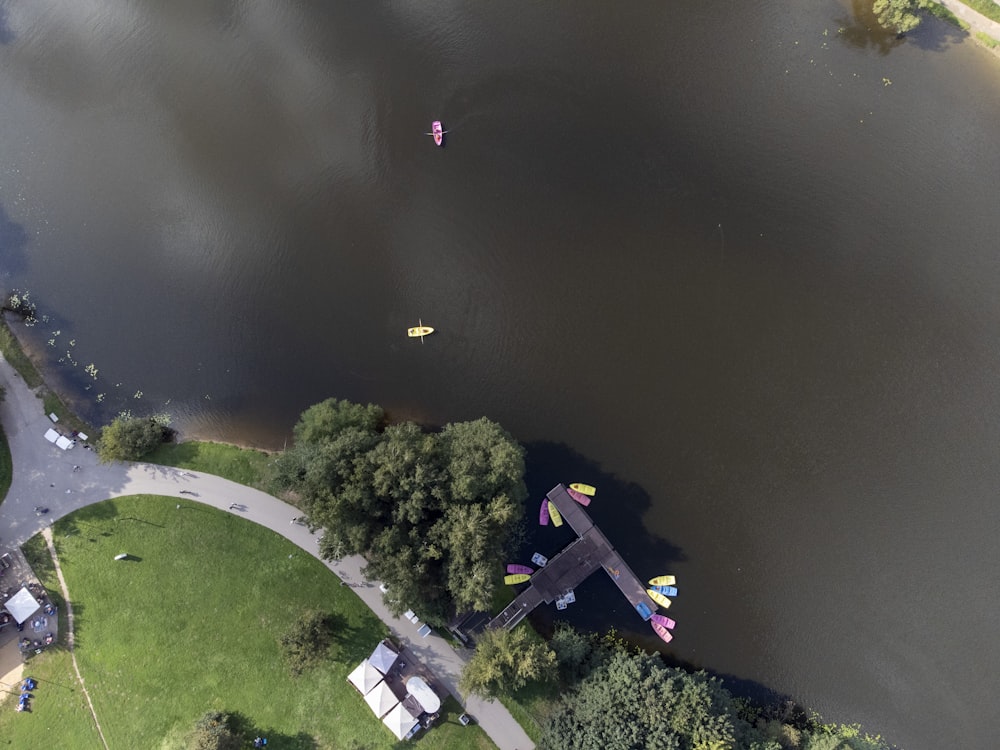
pixel 899 15
pixel 630 699
pixel 433 513
pixel 505 661
pixel 633 701
pixel 215 731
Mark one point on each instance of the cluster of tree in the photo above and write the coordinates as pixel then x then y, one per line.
pixel 612 696
pixel 129 438
pixel 899 15
pixel 433 513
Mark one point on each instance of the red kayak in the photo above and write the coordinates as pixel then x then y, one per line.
pixel 437 132
pixel 579 497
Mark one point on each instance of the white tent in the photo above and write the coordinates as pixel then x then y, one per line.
pixel 22 605
pixel 380 699
pixel 425 696
pixel 399 721
pixel 383 657
pixel 64 442
pixel 364 677
pixel 51 435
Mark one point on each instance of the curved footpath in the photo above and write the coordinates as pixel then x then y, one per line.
pixel 43 475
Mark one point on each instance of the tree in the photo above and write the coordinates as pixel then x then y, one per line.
pixel 899 15
pixel 215 731
pixel 307 642
pixel 573 651
pixel 505 661
pixel 130 438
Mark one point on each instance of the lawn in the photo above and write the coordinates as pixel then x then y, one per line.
pixel 191 623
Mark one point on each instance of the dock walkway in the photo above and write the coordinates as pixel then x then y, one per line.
pixel 587 553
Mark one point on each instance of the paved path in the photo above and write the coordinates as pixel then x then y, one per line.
pixel 44 476
pixel 977 21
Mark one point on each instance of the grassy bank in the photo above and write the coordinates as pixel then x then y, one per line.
pixel 190 623
pixel 244 465
pixel 14 353
pixel 6 466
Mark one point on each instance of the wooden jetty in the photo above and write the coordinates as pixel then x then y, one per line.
pixel 587 553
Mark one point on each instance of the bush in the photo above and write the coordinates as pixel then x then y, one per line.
pixel 130 438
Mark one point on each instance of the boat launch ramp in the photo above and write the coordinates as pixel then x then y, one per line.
pixel 587 553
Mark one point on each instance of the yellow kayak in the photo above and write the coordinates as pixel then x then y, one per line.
pixel 419 331
pixel 554 515
pixel 516 578
pixel 659 598
pixel 586 489
pixel 663 581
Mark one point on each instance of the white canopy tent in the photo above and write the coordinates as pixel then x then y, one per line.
pixel 22 605
pixel 383 657
pixel 399 721
pixel 51 435
pixel 364 677
pixel 380 699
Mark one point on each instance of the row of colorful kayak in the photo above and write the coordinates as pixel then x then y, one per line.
pixel 660 588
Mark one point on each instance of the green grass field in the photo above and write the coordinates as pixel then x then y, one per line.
pixel 190 623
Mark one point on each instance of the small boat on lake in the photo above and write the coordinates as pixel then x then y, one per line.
pixel 579 497
pixel 643 609
pixel 659 598
pixel 543 513
pixel 586 489
pixel 419 331
pixel 666 590
pixel 662 581
pixel 437 132
pixel 661 631
pixel 555 515
pixel 520 570
pixel 664 621
pixel 516 578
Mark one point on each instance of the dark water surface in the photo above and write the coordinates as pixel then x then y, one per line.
pixel 737 264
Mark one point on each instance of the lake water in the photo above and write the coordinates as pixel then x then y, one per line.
pixel 735 265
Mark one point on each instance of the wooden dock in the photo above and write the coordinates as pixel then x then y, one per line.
pixel 587 553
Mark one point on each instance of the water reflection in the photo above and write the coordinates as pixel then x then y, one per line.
pixel 862 30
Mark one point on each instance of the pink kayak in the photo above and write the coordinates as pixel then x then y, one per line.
pixel 661 631
pixel 437 132
pixel 584 500
pixel 543 513
pixel 515 569
pixel 664 621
